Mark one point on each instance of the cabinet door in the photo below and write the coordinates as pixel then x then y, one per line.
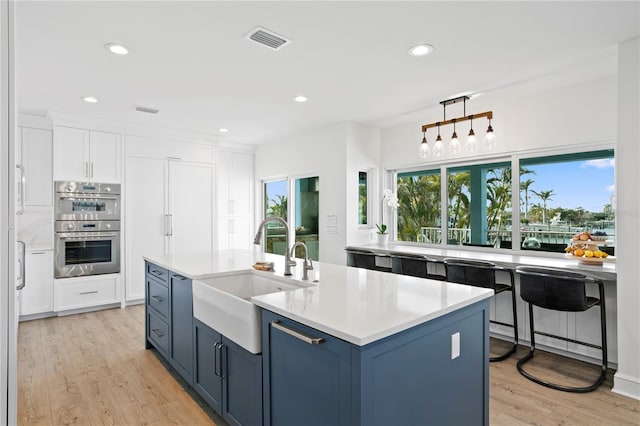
pixel 37 294
pixel 105 157
pixel 191 207
pixel 241 185
pixel 242 385
pixel 70 154
pixel 146 203
pixel 37 160
pixel 181 328
pixel 207 376
pixel 224 168
pixel 307 384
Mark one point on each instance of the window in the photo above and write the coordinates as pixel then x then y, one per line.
pixel 565 194
pixel 559 196
pixel 302 203
pixel 363 207
pixel 419 206
pixel 275 204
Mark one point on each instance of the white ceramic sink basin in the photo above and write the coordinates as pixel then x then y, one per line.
pixel 223 303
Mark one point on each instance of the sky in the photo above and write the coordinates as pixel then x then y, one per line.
pixel 587 184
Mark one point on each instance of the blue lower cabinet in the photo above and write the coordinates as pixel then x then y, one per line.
pixel 410 378
pixel 228 377
pixel 181 313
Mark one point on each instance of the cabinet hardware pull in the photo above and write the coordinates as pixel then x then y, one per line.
pixel 21 184
pixel 217 359
pixel 39 252
pixel 157 298
pixel 310 340
pixel 92 170
pixel 179 277
pixel 86 169
pixel 89 292
pixel 22 279
pixel 157 332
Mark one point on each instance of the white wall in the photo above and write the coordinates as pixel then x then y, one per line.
pixel 627 378
pixel 363 154
pixel 316 153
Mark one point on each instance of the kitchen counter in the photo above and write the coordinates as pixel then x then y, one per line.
pixel 355 305
pixel 606 271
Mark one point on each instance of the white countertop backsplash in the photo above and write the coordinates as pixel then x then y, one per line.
pixel 356 305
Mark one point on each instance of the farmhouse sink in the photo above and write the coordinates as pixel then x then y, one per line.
pixel 224 304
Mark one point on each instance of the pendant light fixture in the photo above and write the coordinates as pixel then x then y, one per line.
pixel 425 149
pixel 438 148
pixel 454 145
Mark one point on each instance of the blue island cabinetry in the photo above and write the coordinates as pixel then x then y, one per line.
pixel 410 378
pixel 169 317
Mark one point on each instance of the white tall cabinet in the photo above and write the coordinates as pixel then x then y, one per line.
pixel 169 204
pixel 235 200
pixel 34 153
pixel 86 155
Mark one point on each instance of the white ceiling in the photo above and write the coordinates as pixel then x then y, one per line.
pixel 191 61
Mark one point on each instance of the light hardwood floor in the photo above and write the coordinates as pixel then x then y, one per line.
pixel 92 369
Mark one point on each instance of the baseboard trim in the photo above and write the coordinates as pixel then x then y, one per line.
pixel 626 385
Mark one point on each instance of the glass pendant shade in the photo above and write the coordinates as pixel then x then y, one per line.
pixel 454 144
pixel 425 149
pixel 471 144
pixel 490 138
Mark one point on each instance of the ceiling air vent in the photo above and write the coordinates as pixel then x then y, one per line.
pixel 268 38
pixel 147 110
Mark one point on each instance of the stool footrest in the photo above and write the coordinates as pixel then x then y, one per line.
pixel 566 339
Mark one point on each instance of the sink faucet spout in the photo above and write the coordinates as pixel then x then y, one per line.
pixel 288 263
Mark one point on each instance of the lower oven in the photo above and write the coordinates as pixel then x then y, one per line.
pixel 86 248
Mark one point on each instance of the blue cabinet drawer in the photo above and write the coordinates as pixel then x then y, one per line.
pixel 157 272
pixel 158 297
pixel 158 332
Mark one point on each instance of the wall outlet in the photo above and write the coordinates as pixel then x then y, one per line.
pixel 455 345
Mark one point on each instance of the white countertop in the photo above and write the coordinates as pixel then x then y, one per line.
pixel 356 305
pixel 606 271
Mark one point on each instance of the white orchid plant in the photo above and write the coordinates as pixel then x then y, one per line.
pixel 390 199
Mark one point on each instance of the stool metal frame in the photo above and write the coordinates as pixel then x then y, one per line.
pixel 415 265
pixel 561 291
pixel 483 274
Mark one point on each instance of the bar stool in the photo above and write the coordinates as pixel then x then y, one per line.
pixel 483 274
pixel 362 258
pixel 564 291
pixel 415 265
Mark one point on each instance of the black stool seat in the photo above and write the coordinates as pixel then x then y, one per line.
pixel 483 274
pixel 415 265
pixel 560 290
pixel 362 258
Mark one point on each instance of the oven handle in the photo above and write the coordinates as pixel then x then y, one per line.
pixel 87 237
pixel 89 197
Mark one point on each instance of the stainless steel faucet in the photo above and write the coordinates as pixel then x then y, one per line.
pixel 308 263
pixel 288 263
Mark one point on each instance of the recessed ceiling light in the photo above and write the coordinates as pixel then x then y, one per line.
pixel 116 49
pixel 90 99
pixel 223 130
pixel 421 50
pixel 301 99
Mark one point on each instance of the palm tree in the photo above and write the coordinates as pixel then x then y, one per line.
pixel 524 186
pixel 544 197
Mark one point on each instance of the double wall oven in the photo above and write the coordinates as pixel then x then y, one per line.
pixel 87 229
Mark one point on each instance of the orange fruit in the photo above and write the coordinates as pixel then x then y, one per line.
pixel 579 252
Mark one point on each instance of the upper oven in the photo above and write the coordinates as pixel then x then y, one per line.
pixel 87 201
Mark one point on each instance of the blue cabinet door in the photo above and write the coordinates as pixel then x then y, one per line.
pixel 207 375
pixel 181 343
pixel 241 385
pixel 304 383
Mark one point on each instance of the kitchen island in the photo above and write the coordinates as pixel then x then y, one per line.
pixel 354 347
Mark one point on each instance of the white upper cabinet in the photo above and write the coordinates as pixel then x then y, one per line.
pixel 235 199
pixel 86 155
pixel 34 157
